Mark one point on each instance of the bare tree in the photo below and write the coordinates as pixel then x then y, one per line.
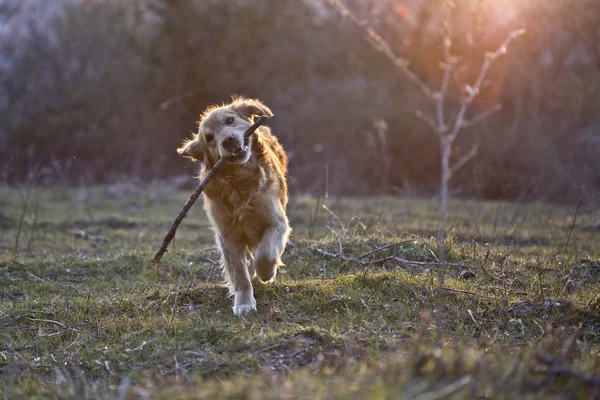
pixel 447 129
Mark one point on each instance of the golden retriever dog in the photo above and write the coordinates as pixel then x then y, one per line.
pixel 246 201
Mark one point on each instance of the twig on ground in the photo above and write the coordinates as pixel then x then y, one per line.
pixel 482 266
pixel 190 202
pixel 473 317
pixel 140 347
pixel 389 246
pixel 551 368
pixel 72 343
pixel 275 346
pixel 175 303
pixel 37 278
pixel 340 256
pixel 592 300
pixel 180 366
pixel 433 263
pixel 447 289
pixel 445 391
pixel 358 261
pixel 49 321
pixel 365 304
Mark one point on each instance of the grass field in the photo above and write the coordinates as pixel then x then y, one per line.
pixel 354 314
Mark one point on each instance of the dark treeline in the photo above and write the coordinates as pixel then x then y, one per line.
pixel 97 90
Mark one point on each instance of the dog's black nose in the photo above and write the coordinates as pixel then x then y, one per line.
pixel 230 144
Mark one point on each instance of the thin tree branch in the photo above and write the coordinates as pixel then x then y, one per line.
pixel 457 79
pixel 381 45
pixel 429 121
pixel 473 91
pixel 448 67
pixel 463 160
pixel 481 117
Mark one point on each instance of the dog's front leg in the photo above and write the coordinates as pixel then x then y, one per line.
pixel 267 257
pixel 235 266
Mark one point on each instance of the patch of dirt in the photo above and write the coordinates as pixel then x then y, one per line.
pixel 310 348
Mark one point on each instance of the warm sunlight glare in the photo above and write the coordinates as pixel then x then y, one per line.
pixel 504 11
pixel 403 11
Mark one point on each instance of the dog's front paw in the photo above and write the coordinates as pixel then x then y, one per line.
pixel 266 267
pixel 243 309
pixel 244 303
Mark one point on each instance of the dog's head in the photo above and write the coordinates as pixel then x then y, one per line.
pixel 221 131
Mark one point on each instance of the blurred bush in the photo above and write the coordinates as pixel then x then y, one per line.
pixel 94 90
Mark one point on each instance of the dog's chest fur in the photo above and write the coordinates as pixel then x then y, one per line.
pixel 238 189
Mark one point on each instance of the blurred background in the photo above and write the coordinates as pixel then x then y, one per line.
pixel 94 91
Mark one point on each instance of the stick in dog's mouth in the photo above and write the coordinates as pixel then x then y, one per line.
pixel 258 122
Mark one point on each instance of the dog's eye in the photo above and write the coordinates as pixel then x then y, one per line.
pixel 209 138
pixel 229 120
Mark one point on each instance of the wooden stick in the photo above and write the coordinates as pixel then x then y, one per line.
pixel 190 202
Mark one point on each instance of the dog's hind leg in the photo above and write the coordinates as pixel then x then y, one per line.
pixel 235 267
pixel 267 257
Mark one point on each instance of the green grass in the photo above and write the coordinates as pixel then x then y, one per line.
pixel 83 316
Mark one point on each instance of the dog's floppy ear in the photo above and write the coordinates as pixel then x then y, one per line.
pixel 192 148
pixel 247 108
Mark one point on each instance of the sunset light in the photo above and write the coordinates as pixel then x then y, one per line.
pixel 300 199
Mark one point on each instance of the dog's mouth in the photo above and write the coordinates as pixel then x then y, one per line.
pixel 239 156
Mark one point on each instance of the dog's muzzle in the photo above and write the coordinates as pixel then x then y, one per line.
pixel 232 145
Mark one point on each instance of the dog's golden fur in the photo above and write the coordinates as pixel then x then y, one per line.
pixel 246 201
